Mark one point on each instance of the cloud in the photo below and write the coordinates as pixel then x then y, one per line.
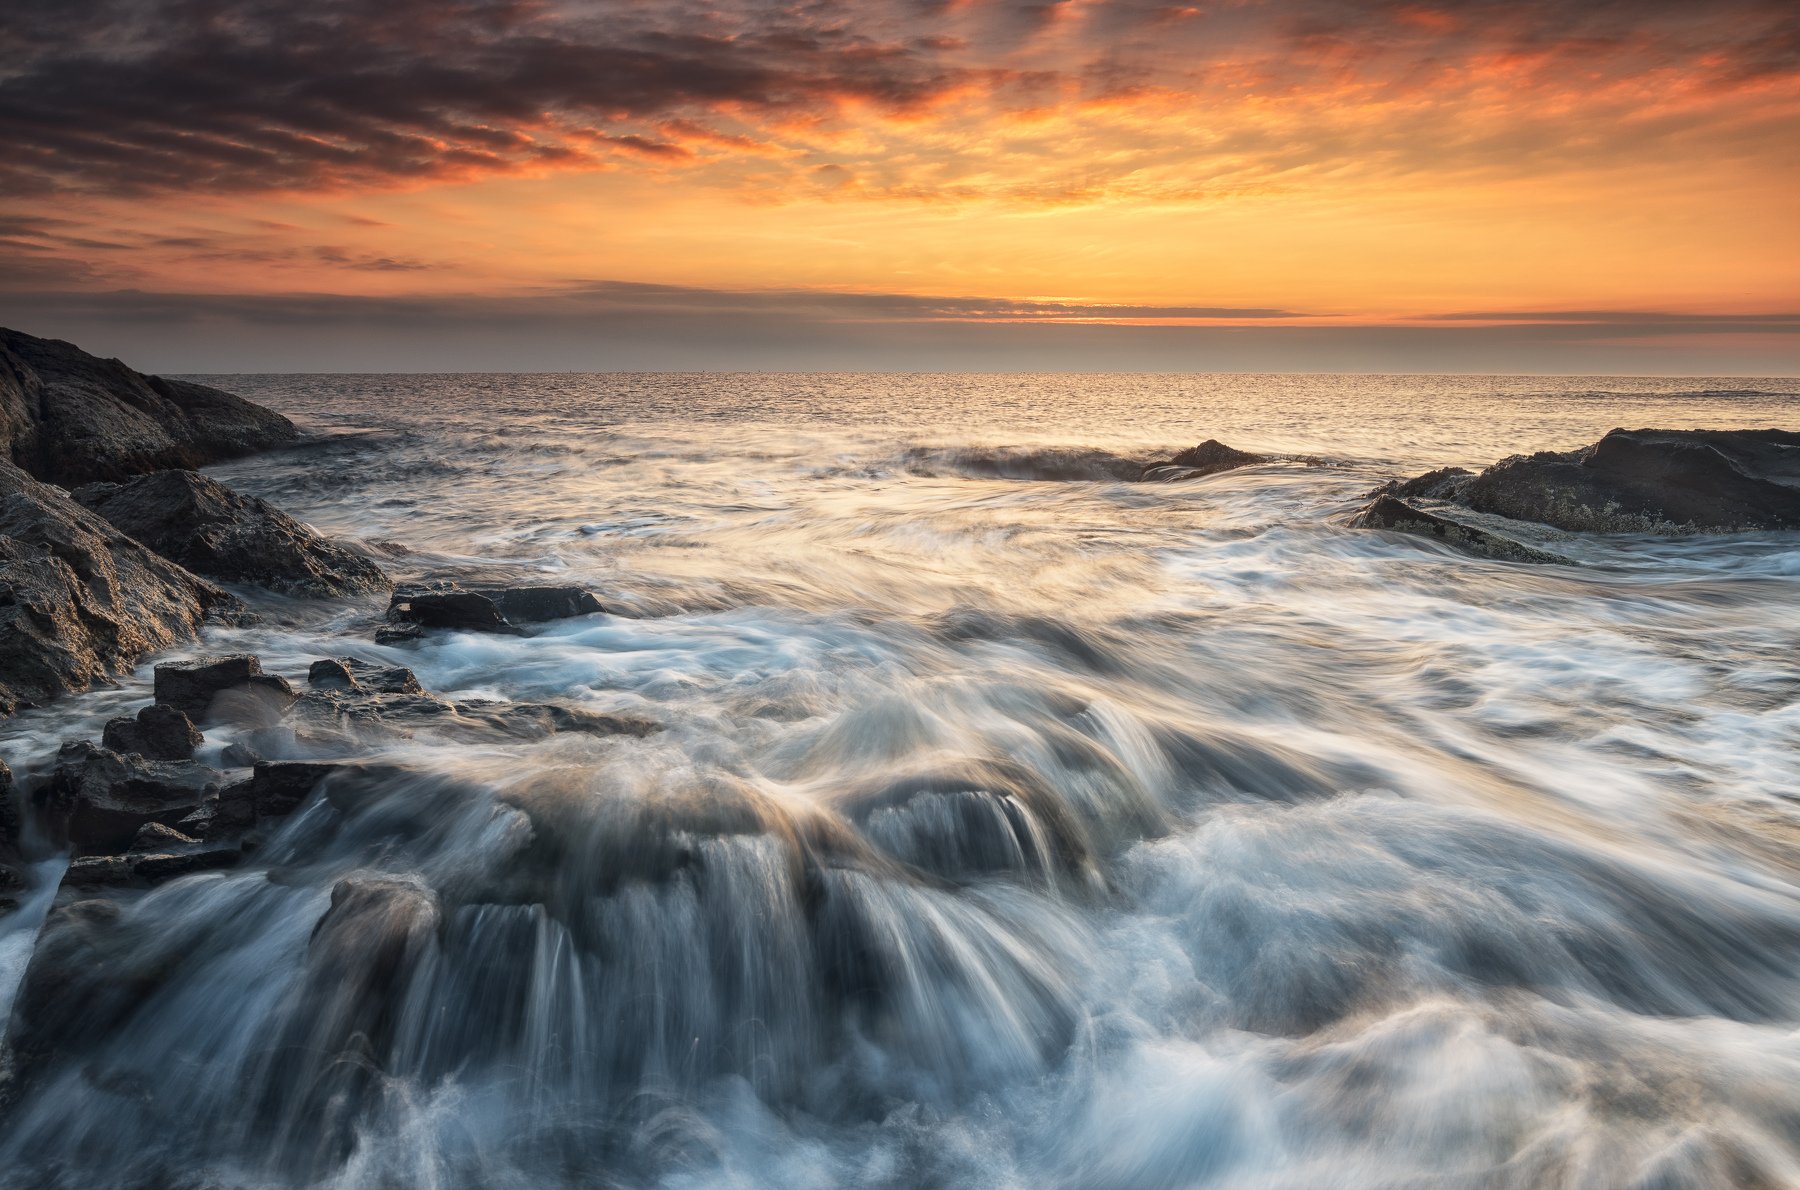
pixel 152 96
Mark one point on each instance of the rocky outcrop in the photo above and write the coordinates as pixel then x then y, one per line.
pixel 159 732
pixel 80 602
pixel 100 799
pixel 1208 458
pixel 1396 515
pixel 484 609
pixel 203 689
pixel 70 418
pixel 1639 481
pixel 230 537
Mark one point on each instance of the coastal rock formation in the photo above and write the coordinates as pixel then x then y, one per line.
pixel 197 688
pixel 230 537
pixel 1208 458
pixel 80 602
pixel 101 799
pixel 1640 481
pixel 485 609
pixel 1389 512
pixel 158 731
pixel 70 418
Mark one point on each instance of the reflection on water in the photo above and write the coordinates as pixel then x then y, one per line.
pixel 1013 825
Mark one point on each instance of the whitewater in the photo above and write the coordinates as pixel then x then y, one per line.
pixel 1011 824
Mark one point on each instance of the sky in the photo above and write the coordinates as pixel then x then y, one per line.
pixel 1069 185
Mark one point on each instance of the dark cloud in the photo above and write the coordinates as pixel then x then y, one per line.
pixel 134 96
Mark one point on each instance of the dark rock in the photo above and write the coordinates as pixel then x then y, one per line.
pixel 80 602
pixel 87 974
pixel 535 720
pixel 230 537
pixel 70 418
pixel 398 634
pixel 1390 513
pixel 154 836
pixel 102 799
pixel 12 877
pixel 235 810
pixel 488 609
pixel 1208 458
pixel 139 870
pixel 158 731
pixel 196 688
pixel 1651 481
pixel 277 788
pixel 1442 484
pixel 349 673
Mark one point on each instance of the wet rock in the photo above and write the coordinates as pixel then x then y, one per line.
pixel 101 799
pixel 196 688
pixel 154 836
pixel 1390 513
pixel 488 609
pixel 1208 458
pixel 349 673
pixel 158 731
pixel 1650 481
pixel 71 418
pixel 87 974
pixel 231 537
pixel 1442 484
pixel 536 720
pixel 140 870
pixel 277 788
pixel 80 602
pixel 12 878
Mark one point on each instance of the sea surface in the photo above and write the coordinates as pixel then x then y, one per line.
pixel 1013 825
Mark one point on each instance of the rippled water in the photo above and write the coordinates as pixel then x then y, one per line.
pixel 1013 826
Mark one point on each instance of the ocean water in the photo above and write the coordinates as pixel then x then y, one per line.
pixel 1012 825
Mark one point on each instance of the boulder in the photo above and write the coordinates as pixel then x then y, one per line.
pixel 1391 513
pixel 80 602
pixel 1651 481
pixel 277 788
pixel 158 731
pixel 12 877
pixel 230 537
pixel 232 687
pixel 485 609
pixel 71 418
pixel 101 799
pixel 87 974
pixel 349 673
pixel 1208 458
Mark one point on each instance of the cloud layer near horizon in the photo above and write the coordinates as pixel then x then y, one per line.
pixel 1063 160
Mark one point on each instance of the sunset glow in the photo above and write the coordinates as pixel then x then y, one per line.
pixel 1309 164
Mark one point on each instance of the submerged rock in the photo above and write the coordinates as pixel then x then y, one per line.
pixel 486 609
pixel 203 688
pixel 101 800
pixel 158 731
pixel 1208 458
pixel 71 418
pixel 80 602
pixel 231 537
pixel 1644 481
pixel 1388 512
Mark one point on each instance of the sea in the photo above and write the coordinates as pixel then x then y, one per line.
pixel 1011 824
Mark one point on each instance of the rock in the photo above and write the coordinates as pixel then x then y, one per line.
pixel 536 720
pixel 1651 481
pixel 80 602
pixel 71 418
pixel 230 537
pixel 12 877
pixel 102 799
pixel 1390 513
pixel 349 673
pixel 1442 484
pixel 154 836
pixel 86 975
pixel 141 870
pixel 487 609
pixel 277 788
pixel 198 688
pixel 1208 458
pixel 158 731
pixel 398 634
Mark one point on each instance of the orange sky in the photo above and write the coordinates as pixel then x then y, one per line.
pixel 1319 163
